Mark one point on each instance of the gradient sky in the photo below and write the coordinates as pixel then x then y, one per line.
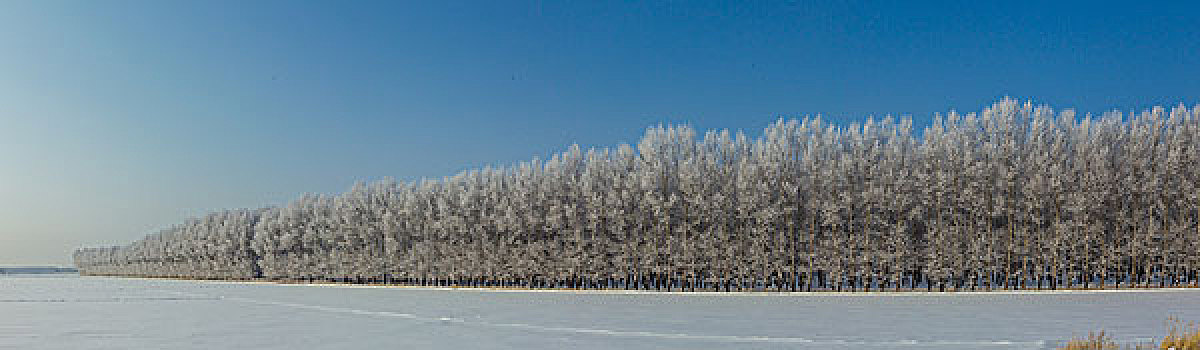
pixel 119 118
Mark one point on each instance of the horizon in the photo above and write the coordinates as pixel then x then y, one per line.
pixel 119 119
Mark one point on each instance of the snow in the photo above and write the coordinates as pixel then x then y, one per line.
pixel 69 312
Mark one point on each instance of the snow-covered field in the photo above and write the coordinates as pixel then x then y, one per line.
pixel 70 312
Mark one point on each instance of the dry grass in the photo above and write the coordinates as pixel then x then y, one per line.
pixel 1100 341
pixel 1179 337
pixel 1182 337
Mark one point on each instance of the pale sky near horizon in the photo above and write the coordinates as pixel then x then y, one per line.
pixel 121 117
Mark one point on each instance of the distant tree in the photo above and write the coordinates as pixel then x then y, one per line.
pixel 1014 196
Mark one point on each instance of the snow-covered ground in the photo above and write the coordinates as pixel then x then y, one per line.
pixel 69 312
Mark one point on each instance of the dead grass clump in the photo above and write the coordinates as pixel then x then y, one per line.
pixel 1179 337
pixel 1094 341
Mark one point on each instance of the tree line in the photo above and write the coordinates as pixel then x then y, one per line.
pixel 1014 196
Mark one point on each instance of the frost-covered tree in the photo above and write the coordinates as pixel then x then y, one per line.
pixel 1014 196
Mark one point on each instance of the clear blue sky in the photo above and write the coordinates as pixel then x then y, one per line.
pixel 117 118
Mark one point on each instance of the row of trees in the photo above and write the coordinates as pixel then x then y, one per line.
pixel 1012 197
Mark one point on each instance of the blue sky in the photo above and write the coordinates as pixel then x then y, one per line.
pixel 117 118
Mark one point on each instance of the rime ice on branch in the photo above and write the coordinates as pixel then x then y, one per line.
pixel 1013 197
